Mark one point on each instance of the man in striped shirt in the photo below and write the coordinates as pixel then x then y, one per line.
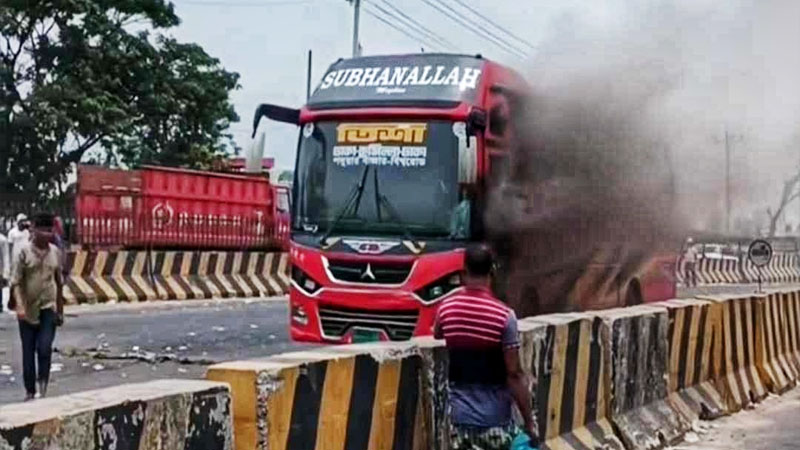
pixel 485 374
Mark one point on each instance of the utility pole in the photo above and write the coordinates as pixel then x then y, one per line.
pixel 727 182
pixel 308 77
pixel 356 12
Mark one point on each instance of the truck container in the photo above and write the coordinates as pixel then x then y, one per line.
pixel 162 207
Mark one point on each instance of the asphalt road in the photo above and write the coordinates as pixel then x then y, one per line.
pixel 197 332
pixel 772 425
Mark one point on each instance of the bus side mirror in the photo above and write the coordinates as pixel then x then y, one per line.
pixel 467 154
pixel 276 113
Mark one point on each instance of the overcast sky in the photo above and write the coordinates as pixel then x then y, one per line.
pixel 266 41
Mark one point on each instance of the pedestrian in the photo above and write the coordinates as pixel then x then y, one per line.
pixel 5 268
pixel 690 263
pixel 60 241
pixel 17 237
pixel 37 285
pixel 485 375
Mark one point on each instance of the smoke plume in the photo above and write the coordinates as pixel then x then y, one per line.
pixel 623 139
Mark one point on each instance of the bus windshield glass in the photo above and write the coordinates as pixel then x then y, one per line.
pixel 379 178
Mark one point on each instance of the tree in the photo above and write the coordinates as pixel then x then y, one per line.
pixel 75 76
pixel 789 193
pixel 286 176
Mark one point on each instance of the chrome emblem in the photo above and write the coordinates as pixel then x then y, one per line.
pixel 370 247
pixel 368 273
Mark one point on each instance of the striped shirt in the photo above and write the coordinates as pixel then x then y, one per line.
pixel 475 318
pixel 477 328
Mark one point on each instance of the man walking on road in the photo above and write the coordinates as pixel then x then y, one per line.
pixel 37 285
pixel 485 374
pixel 690 261
pixel 5 268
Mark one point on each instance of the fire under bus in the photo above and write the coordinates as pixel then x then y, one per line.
pixel 394 161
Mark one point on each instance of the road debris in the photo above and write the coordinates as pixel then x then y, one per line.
pixel 253 326
pixel 139 355
pixel 183 348
pixel 218 329
pixel 98 367
pixel 56 367
pixel 6 370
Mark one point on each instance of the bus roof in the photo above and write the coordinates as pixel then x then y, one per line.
pixel 412 80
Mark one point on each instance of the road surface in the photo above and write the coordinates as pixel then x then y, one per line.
pixel 201 332
pixel 772 425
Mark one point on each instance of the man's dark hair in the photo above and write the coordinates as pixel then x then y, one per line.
pixel 478 260
pixel 43 220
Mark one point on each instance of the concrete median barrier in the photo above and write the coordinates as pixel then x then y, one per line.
pixel 774 353
pixel 570 372
pixel 739 381
pixel 695 356
pixel 102 276
pixel 131 276
pixel 159 415
pixel 629 378
pixel 791 307
pixel 382 395
pixel 638 356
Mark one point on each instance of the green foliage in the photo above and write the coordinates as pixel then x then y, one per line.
pixel 80 75
pixel 286 176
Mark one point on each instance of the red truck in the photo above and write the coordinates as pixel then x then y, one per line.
pixel 395 159
pixel 162 207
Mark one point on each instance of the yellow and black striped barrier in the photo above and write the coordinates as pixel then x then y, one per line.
pixel 132 276
pixel 569 367
pixel 368 396
pixel 694 342
pixel 739 381
pixel 628 378
pixel 158 415
pixel 772 344
pixel 791 307
pixel 637 345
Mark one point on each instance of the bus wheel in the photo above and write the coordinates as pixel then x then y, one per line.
pixel 633 295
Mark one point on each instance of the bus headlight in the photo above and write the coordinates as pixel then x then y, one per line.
pixel 440 287
pixel 304 281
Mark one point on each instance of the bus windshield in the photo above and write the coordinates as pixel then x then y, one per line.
pixel 379 178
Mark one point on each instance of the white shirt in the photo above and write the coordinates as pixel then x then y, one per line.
pixel 691 254
pixel 5 261
pixel 17 238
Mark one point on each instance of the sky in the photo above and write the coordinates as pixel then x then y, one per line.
pixel 266 42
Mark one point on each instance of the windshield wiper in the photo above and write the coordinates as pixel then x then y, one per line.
pixel 353 198
pixel 381 199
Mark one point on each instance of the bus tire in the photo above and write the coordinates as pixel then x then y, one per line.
pixel 633 295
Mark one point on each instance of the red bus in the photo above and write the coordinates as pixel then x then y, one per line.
pixel 395 157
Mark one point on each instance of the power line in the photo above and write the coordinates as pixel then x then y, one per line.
pixel 392 25
pixel 475 28
pixel 495 25
pixel 415 24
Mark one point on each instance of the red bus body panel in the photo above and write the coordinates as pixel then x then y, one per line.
pixel 366 300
